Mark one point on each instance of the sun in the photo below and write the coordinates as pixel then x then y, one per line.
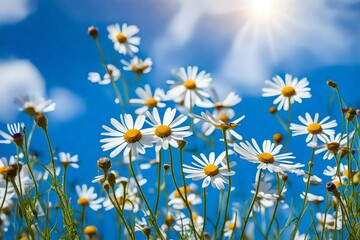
pixel 263 10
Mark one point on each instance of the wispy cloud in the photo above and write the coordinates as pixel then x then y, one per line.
pixel 17 77
pixel 13 11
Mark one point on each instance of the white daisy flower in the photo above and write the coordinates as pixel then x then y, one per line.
pixel 101 178
pixel 330 223
pixel 137 65
pixel 303 236
pixel 332 171
pixel 332 144
pixel 46 174
pixel 87 196
pixel 267 158
pixel 289 90
pixel 232 224
pixel 209 170
pixel 123 38
pixel 147 99
pixel 315 130
pixel 314 180
pixel 312 197
pixel 167 131
pixel 95 77
pixel 212 121
pixel 15 135
pixel 179 204
pixel 189 87
pixel 126 135
pixel 215 102
pixel 66 159
pixel 34 105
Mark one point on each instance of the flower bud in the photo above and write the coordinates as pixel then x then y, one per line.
pixel 93 32
pixel 330 186
pixel 311 164
pixel 166 166
pixel 331 83
pixel 10 171
pixel 146 231
pixel 284 177
pixel 277 137
pixel 272 110
pixel 181 144
pixel 111 179
pixel 350 113
pixel 41 121
pixel 104 164
pixel 90 230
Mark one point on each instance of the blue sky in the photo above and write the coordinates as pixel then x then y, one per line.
pixel 45 50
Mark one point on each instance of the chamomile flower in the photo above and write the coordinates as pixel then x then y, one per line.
pixel 209 170
pixel 34 105
pixel 147 99
pixel 215 102
pixel 178 203
pixel 126 136
pixel 289 91
pixel 332 171
pixel 95 77
pixel 167 131
pixel 189 87
pixel 314 180
pixel 66 159
pixel 123 38
pixel 87 196
pixel 138 65
pixel 15 135
pixel 332 144
pixel 46 174
pixel 315 129
pixel 232 224
pixel 303 236
pixel 312 198
pixel 330 222
pixel 267 158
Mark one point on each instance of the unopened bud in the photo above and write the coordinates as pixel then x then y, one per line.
pixel 166 166
pixel 331 83
pixel 284 177
pixel 277 137
pixel 272 110
pixel 93 32
pixel 111 179
pixel 311 164
pixel 146 231
pixel 104 164
pixel 181 144
pixel 41 120
pixel 90 230
pixel 10 171
pixel 330 186
pixel 350 114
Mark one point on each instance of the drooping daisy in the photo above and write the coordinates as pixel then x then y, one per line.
pixel 126 135
pixel 167 132
pixel 137 65
pixel 87 196
pixel 148 100
pixel 34 105
pixel 330 221
pixel 290 90
pixel 66 159
pixel 332 144
pixel 314 180
pixel 95 77
pixel 312 198
pixel 209 170
pixel 15 136
pixel 232 224
pixel 189 87
pixel 123 38
pixel 315 130
pixel 267 158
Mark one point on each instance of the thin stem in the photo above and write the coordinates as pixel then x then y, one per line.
pixel 218 212
pixel 158 182
pixel 30 136
pixel 182 172
pixel 252 205
pixel 4 197
pixel 203 229
pixel 64 180
pixel 82 219
pixel 31 172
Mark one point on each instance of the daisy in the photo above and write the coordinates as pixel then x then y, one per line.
pixel 209 170
pixel 232 224
pixel 179 204
pixel 66 159
pixel 312 198
pixel 290 90
pixel 215 102
pixel 15 135
pixel 95 77
pixel 267 158
pixel 315 130
pixel 189 87
pixel 147 99
pixel 88 197
pixel 330 223
pixel 332 144
pixel 303 236
pixel 314 180
pixel 123 38
pixel 126 135
pixel 137 65
pixel 332 171
pixel 34 105
pixel 46 174
pixel 167 131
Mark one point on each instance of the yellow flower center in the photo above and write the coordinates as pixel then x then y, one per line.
pixel 190 84
pixel 83 201
pixel 218 106
pixel 211 170
pixel 232 226
pixel 121 200
pixel 314 128
pixel 288 91
pixel 182 191
pixel 132 135
pixel 90 230
pixel 194 216
pixel 266 157
pixel 138 70
pixel 2 169
pixel 31 111
pixel 169 220
pixel 151 102
pixel 336 183
pixel 224 118
pixel 163 131
pixel 333 146
pixel 332 223
pixel 121 38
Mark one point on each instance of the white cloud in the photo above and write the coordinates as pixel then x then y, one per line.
pixel 68 105
pixel 17 77
pixel 13 11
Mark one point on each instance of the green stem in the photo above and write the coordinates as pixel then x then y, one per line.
pixel 204 224
pixel 4 197
pixel 158 182
pixel 218 213
pixel 64 180
pixel 252 204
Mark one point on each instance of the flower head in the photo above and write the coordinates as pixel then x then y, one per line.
pixel 113 72
pixel 333 144
pixel 137 65
pixel 15 135
pixel 123 38
pixel 289 91
pixel 34 105
pixel 88 197
pixel 167 132
pixel 189 87
pixel 66 159
pixel 315 129
pixel 209 170
pixel 147 99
